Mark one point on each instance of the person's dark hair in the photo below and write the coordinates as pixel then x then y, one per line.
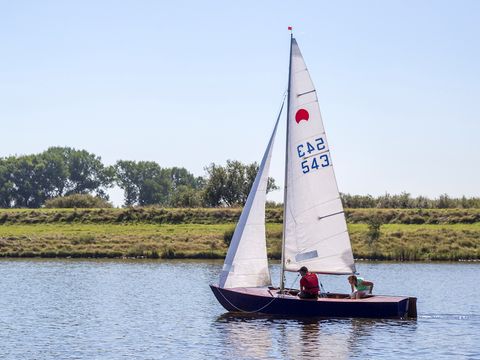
pixel 303 269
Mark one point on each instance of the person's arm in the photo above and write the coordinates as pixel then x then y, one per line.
pixel 369 284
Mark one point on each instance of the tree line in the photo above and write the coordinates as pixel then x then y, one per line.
pixel 58 175
pixel 406 201
pixel 31 181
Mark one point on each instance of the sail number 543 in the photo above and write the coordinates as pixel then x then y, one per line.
pixel 314 161
pixel 308 147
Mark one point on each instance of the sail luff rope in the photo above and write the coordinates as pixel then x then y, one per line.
pixel 282 273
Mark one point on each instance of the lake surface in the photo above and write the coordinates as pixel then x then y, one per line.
pixel 80 309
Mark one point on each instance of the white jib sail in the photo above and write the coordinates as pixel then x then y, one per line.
pixel 316 233
pixel 246 263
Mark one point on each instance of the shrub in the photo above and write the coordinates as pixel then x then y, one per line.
pixel 78 201
pixel 168 252
pixel 228 235
pixel 84 240
pixel 374 224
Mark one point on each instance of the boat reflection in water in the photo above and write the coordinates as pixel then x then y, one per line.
pixel 316 339
pixel 262 337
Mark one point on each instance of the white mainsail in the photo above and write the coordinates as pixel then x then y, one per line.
pixel 316 233
pixel 246 263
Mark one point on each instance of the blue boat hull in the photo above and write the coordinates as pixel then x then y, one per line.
pixel 267 301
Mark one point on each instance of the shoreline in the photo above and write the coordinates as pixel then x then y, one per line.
pixel 220 260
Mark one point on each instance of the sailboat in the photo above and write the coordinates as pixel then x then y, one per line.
pixel 315 232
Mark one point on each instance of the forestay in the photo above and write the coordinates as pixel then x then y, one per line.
pixel 316 233
pixel 246 263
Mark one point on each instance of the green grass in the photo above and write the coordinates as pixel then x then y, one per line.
pixel 418 242
pixel 200 233
pixel 397 242
pixel 109 240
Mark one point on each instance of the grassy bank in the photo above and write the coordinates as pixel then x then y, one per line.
pixel 152 215
pixel 200 233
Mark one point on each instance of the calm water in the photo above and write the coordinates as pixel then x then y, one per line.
pixel 67 309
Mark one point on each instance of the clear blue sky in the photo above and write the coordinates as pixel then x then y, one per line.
pixel 188 83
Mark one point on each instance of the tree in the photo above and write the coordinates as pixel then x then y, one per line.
pixel 445 202
pixel 230 185
pixel 357 201
pixel 55 171
pixel 182 177
pixel 185 196
pixel 154 190
pixel 26 177
pixel 30 180
pixel 215 187
pixel 237 182
pixel 67 171
pixel 146 183
pixel 6 184
pixel 127 178
pixel 87 173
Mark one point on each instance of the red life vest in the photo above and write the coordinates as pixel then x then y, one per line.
pixel 310 283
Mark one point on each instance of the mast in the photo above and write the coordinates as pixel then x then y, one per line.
pixel 287 148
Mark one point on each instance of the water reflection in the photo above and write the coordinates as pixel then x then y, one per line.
pixel 132 310
pixel 246 335
pixel 263 337
pixel 316 338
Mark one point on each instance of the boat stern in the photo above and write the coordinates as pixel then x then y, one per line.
pixel 412 307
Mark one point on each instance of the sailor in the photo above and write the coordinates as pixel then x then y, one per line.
pixel 360 287
pixel 308 284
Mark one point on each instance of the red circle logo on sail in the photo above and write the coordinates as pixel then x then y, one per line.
pixel 302 114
